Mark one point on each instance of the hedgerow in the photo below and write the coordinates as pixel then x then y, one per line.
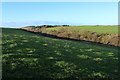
pixel 110 39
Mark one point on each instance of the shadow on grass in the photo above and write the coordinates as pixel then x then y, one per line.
pixel 27 55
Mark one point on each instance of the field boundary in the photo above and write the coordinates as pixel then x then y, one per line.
pixel 109 39
pixel 65 38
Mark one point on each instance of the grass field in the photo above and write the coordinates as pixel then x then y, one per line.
pixel 28 55
pixel 98 29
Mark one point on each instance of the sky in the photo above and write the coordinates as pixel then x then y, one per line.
pixel 60 0
pixel 20 14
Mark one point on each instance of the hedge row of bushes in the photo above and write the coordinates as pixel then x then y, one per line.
pixel 109 39
pixel 43 26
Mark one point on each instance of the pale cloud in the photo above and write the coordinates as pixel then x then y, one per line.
pixel 31 23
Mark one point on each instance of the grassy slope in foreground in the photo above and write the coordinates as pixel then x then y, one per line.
pixel 27 55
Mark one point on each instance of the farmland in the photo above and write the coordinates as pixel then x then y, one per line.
pixel 98 29
pixel 28 55
pixel 99 34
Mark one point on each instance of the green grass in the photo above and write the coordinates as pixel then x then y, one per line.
pixel 98 29
pixel 54 28
pixel 28 55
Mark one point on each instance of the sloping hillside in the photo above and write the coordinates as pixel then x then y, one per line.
pixel 28 55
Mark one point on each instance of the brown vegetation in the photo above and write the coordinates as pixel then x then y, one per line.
pixel 109 39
